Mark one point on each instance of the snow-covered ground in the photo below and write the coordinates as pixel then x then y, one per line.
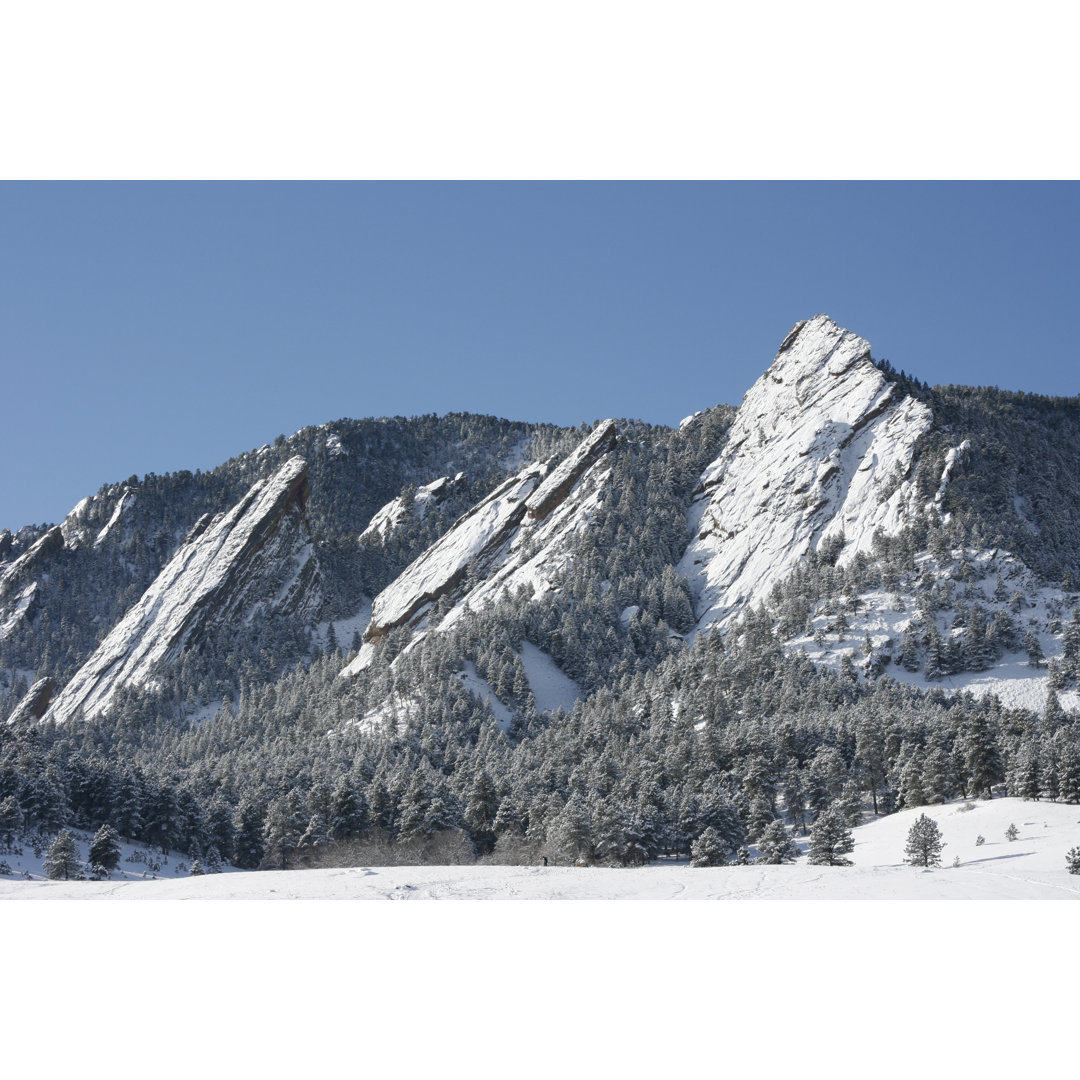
pixel 1030 868
pixel 138 862
pixel 551 688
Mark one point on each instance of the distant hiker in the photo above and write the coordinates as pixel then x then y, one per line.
pixel 544 857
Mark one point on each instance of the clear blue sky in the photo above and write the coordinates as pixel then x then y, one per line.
pixel 149 327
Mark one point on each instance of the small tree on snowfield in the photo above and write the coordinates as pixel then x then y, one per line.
pixel 1072 860
pixel 1011 833
pixel 924 842
pixel 62 862
pixel 830 838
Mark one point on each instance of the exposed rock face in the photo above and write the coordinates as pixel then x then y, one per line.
pixel 561 480
pixel 394 514
pixel 821 447
pixel 18 590
pixel 35 701
pixel 17 572
pixel 516 536
pixel 475 539
pixel 255 560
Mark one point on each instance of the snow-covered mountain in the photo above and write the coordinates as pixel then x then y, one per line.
pixel 596 644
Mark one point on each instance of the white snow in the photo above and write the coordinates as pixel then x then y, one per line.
pixel 518 537
pixel 139 862
pixel 551 688
pixel 344 628
pixel 563 477
pixel 472 682
pixel 13 569
pixel 1029 868
pixel 538 552
pixel 817 443
pixel 472 536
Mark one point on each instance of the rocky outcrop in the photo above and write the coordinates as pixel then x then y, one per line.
pixel 516 536
pixel 18 572
pixel 561 480
pixel 35 702
pixel 397 511
pixel 255 560
pixel 442 570
pixel 19 590
pixel 821 448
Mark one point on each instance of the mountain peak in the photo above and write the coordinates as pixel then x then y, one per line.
pixel 815 452
pixel 819 347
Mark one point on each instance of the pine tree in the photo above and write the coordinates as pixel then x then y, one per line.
pixel 924 842
pixel 776 846
pixel 1033 647
pixel 480 811
pixel 1072 860
pixel 62 861
pixel 249 847
pixel 708 849
pixel 11 821
pixel 105 849
pixel 830 839
pixel 1012 833
pixel 982 762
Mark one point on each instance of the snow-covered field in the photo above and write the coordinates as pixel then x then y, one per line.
pixel 1030 868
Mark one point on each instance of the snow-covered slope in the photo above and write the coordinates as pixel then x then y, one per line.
pixel 821 447
pixel 256 559
pixel 513 537
pixel 964 580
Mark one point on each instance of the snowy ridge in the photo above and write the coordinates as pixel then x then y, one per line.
pixel 218 575
pixel 19 594
pixel 515 537
pixel 34 702
pixel 16 571
pixel 127 501
pixel 475 537
pixel 391 517
pixel 821 447
pixel 559 482
pixel 538 553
